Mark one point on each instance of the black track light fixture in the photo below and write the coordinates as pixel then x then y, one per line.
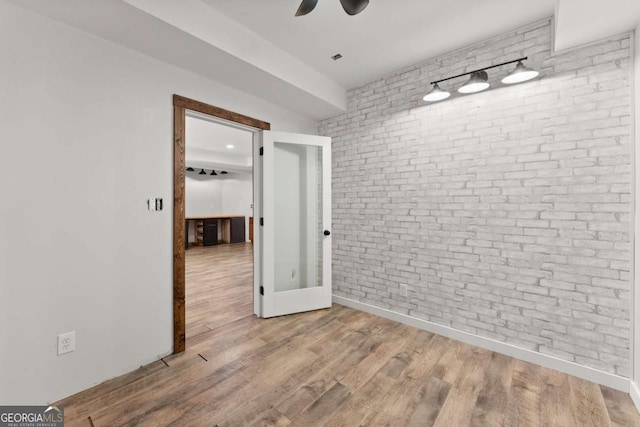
pixel 479 80
pixel 190 169
pixel 224 172
pixel 213 173
pixel 202 172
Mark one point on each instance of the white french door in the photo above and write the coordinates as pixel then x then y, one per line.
pixel 296 223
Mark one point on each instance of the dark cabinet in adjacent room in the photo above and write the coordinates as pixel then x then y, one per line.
pixel 237 230
pixel 231 229
pixel 210 232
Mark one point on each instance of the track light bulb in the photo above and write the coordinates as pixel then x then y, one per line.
pixel 520 74
pixel 436 94
pixel 477 83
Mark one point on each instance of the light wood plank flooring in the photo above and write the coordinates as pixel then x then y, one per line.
pixel 219 286
pixel 334 367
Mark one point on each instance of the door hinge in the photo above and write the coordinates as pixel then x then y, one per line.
pixel 262 151
pixel 261 290
pixel 261 221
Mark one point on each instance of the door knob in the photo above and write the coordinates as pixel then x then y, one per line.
pixel 327 232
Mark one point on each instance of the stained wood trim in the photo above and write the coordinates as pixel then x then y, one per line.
pixel 179 320
pixel 180 105
pixel 200 107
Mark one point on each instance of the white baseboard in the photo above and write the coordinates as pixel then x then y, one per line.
pixel 571 368
pixel 634 392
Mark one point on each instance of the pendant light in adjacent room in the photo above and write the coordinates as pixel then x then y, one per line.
pixel 520 74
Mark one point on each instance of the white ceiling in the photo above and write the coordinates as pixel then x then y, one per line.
pixel 193 36
pixel 260 47
pixel 206 146
pixel 583 21
pixel 386 36
pixel 215 137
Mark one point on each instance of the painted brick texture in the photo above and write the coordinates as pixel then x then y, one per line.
pixel 506 212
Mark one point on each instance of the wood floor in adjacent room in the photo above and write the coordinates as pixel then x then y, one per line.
pixel 334 367
pixel 218 285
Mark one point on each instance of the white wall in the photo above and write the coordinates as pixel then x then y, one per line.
pixel 203 195
pixel 92 123
pixel 237 197
pixel 636 293
pixel 221 195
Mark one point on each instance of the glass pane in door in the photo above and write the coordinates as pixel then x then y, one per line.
pixel 298 216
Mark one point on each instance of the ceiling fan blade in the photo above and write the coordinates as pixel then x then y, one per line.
pixel 306 6
pixel 353 7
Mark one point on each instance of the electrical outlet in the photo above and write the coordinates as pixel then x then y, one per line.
pixel 66 343
pixel 404 290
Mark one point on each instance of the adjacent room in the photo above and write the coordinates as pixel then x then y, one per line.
pixel 219 224
pixel 331 212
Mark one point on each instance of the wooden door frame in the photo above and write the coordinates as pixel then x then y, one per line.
pixel 180 107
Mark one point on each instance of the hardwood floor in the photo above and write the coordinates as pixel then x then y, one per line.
pixel 219 286
pixel 334 367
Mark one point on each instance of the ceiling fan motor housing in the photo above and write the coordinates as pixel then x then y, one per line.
pixel 352 7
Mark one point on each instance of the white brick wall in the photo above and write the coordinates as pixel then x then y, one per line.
pixel 506 212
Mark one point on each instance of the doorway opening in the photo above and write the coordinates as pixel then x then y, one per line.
pixel 215 195
pixel 219 214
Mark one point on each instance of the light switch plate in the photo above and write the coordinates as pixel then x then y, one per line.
pixel 154 204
